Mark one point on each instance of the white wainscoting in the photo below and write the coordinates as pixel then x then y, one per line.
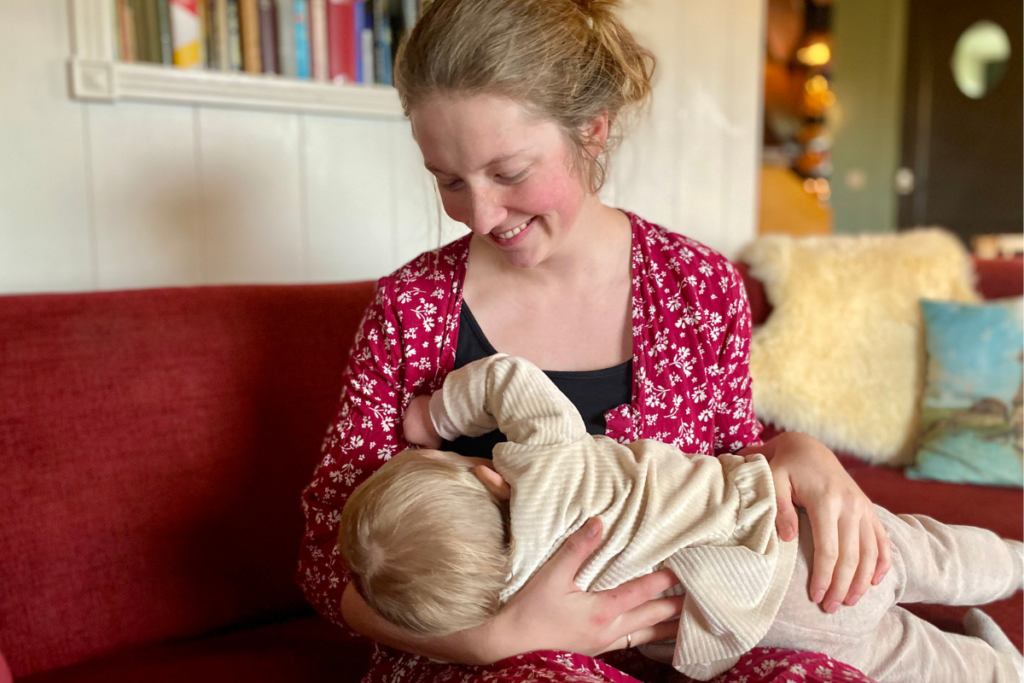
pixel 98 195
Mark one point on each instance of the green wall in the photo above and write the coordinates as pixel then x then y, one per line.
pixel 869 51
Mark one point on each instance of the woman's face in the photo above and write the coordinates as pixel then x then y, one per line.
pixel 504 175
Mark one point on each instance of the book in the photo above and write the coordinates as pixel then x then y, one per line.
pixel 163 17
pixel 410 13
pixel 147 37
pixel 126 31
pixel 359 12
pixel 249 23
pixel 366 64
pixel 303 57
pixel 318 39
pixel 268 36
pixel 185 34
pixel 382 31
pixel 286 38
pixel 217 35
pixel 234 36
pixel 340 41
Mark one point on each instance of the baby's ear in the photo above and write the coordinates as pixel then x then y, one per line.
pixel 493 482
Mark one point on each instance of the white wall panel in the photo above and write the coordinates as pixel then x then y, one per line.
pixel 349 197
pixel 45 241
pixel 146 195
pixel 691 162
pixel 251 197
pixel 420 221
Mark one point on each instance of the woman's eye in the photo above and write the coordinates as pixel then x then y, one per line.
pixel 452 185
pixel 513 179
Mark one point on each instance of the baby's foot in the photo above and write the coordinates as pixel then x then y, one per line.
pixel 981 625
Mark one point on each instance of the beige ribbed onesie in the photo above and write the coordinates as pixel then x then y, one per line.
pixel 710 520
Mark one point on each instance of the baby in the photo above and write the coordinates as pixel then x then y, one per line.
pixel 433 551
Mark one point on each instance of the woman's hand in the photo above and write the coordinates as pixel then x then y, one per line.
pixel 551 613
pixel 851 548
pixel 417 427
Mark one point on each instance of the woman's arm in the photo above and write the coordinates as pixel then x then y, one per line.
pixel 851 548
pixel 549 613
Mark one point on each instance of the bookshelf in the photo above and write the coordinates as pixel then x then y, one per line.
pixel 96 75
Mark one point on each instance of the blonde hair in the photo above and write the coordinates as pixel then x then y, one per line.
pixel 428 545
pixel 567 61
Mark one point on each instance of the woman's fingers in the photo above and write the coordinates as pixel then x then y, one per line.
pixel 786 520
pixel 884 552
pixel 866 567
pixel 640 591
pixel 825 530
pixel 846 564
pixel 650 614
pixel 651 634
pixel 568 559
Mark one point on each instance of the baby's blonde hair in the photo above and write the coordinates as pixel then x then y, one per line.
pixel 567 61
pixel 428 545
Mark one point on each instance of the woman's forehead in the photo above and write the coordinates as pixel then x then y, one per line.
pixel 469 133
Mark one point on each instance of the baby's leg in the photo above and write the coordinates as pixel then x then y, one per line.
pixel 887 642
pixel 952 565
pixel 906 649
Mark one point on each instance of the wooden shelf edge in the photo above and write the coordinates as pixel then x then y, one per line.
pixel 105 80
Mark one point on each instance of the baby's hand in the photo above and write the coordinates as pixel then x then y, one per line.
pixel 417 427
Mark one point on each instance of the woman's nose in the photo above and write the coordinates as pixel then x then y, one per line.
pixel 486 211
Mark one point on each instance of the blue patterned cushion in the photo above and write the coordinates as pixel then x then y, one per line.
pixel 971 409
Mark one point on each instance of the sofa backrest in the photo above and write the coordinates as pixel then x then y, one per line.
pixel 153 446
pixel 997 278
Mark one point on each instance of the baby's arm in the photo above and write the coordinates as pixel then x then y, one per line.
pixel 507 393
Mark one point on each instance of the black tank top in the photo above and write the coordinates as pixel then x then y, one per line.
pixel 593 392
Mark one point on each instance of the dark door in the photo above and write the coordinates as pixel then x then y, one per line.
pixel 963 158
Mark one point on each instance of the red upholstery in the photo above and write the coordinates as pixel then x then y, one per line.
pixel 152 449
pixel 153 445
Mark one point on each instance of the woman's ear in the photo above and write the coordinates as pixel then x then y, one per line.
pixel 595 133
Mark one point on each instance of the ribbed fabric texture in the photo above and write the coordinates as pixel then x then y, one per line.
pixel 711 520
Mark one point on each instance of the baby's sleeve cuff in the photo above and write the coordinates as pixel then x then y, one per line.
pixel 442 421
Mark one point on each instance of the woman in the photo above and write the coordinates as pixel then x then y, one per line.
pixel 512 103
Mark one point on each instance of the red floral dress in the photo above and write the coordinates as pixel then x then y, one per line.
pixel 691 388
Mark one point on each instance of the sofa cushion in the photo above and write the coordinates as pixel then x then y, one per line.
pixel 303 650
pixel 153 446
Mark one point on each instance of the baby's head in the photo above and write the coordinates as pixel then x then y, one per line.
pixel 428 543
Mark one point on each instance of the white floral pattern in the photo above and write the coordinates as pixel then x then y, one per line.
pixel 691 388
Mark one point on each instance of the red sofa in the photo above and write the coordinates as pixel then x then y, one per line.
pixel 153 445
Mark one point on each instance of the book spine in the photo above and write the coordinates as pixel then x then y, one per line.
pixel 286 38
pixel 303 58
pixel 233 26
pixel 127 31
pixel 268 36
pixel 366 43
pixel 140 14
pixel 185 33
pixel 340 33
pixel 164 31
pixel 410 13
pixel 249 21
pixel 219 10
pixel 204 33
pixel 359 18
pixel 318 39
pixel 382 28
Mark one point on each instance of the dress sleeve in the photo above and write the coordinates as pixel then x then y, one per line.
pixel 363 435
pixel 736 427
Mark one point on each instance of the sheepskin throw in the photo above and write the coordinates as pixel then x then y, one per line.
pixel 841 357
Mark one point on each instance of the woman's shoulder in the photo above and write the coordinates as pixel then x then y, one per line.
pixel 684 257
pixel 429 269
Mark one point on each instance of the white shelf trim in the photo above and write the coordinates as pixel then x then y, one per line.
pixel 95 75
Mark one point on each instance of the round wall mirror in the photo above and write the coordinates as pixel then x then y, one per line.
pixel 980 58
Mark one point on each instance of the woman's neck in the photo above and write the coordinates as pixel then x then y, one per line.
pixel 597 245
